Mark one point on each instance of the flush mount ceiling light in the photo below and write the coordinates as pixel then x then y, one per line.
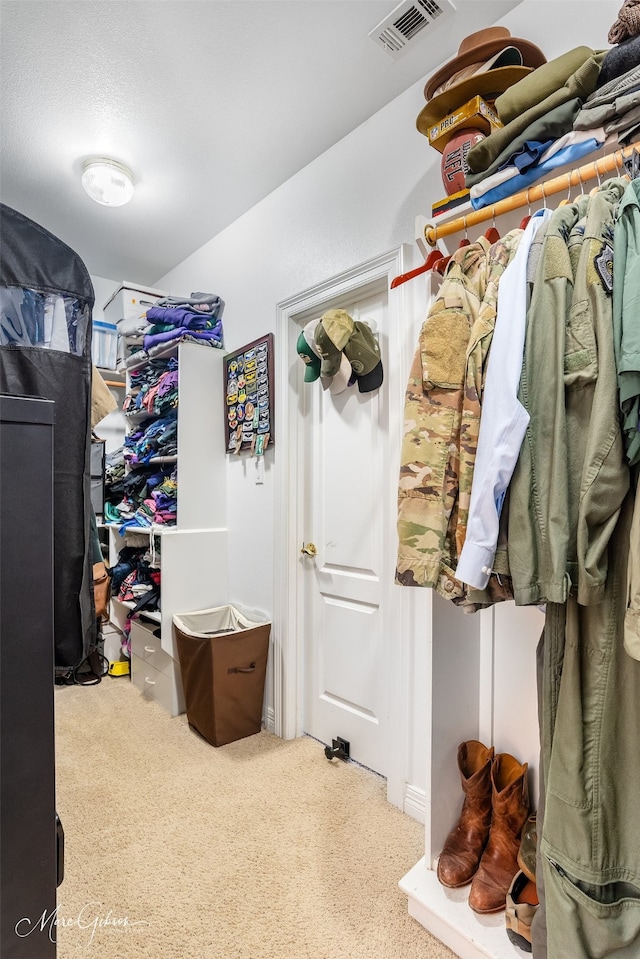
pixel 107 181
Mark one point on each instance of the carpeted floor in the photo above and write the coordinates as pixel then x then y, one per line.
pixel 261 849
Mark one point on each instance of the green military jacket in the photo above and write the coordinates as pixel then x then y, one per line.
pixel 571 478
pixel 626 311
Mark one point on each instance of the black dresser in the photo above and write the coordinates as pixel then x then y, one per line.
pixel 30 836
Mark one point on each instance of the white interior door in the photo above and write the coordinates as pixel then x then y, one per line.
pixel 346 517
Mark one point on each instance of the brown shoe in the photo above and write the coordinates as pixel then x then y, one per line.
pixel 527 850
pixel 510 808
pixel 465 843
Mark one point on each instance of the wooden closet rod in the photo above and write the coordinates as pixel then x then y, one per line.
pixel 614 161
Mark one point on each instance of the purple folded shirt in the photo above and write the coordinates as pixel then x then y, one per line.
pixel 168 381
pixel 151 339
pixel 163 501
pixel 177 316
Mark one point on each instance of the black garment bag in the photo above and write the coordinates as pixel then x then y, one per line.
pixel 46 302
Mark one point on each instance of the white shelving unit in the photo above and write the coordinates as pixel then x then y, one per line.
pixel 483 686
pixel 193 553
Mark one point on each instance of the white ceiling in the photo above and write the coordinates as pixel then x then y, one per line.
pixel 212 104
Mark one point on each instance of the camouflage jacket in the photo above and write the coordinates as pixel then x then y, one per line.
pixel 430 457
pixel 498 258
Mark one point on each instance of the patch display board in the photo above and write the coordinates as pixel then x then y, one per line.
pixel 249 397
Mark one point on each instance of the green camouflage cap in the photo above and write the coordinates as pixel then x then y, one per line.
pixel 331 355
pixel 338 326
pixel 363 353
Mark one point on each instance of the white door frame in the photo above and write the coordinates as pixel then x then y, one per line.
pixel 288 632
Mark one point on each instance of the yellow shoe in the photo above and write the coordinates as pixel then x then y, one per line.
pixel 119 668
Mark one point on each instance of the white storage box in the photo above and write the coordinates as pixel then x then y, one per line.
pixel 126 308
pixel 104 345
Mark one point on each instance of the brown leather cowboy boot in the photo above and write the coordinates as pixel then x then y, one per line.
pixel 510 808
pixel 465 843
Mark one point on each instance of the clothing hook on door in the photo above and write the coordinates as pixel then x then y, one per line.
pixel 429 264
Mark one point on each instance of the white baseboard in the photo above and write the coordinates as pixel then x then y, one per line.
pixel 414 802
pixel 270 720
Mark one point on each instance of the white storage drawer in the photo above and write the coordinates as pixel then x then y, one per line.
pixel 163 687
pixel 147 647
pixel 154 671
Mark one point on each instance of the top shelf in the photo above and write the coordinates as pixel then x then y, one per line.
pixel 147 530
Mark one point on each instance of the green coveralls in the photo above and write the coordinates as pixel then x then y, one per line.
pixel 570 548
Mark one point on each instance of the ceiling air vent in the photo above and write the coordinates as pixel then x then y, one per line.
pixel 406 22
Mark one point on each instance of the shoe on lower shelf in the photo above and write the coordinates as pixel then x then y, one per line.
pixel 527 851
pixel 520 908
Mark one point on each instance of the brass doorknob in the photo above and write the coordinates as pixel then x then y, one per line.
pixel 310 549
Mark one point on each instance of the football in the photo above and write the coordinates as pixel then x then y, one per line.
pixel 454 158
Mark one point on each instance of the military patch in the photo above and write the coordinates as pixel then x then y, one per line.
pixel 632 164
pixel 603 263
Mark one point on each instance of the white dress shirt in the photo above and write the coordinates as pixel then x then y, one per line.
pixel 504 420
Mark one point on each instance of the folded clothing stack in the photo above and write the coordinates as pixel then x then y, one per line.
pixel 615 103
pixel 539 113
pixel 113 468
pixel 559 113
pixel 143 498
pixel 153 438
pixel 160 508
pixel 154 389
pixel 135 580
pixel 196 318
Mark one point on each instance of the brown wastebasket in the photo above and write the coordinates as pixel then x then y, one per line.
pixel 223 661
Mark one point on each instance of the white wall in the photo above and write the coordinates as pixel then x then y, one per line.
pixel 347 206
pixel 357 200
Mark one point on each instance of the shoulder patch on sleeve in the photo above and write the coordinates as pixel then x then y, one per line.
pixel 603 263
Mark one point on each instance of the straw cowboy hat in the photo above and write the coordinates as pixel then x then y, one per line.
pixel 487 63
